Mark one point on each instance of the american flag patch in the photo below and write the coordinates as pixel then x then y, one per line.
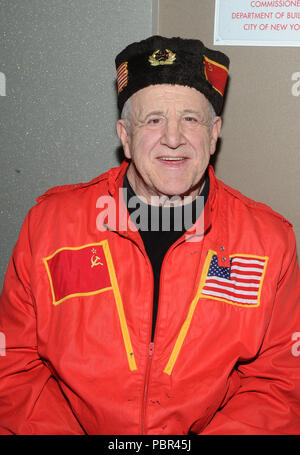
pixel 122 76
pixel 239 284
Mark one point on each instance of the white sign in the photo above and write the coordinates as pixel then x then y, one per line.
pixel 257 22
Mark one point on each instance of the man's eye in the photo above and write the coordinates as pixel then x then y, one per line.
pixel 154 121
pixel 190 119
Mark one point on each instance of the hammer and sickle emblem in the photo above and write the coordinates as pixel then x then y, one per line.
pixel 95 260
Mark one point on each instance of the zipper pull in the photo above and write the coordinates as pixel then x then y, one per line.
pixel 151 349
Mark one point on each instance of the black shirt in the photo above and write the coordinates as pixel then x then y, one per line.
pixel 160 227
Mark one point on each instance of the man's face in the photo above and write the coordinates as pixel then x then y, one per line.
pixel 170 140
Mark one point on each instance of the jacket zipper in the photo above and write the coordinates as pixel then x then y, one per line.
pixel 150 354
pixel 146 383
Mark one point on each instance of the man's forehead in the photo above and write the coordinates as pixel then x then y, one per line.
pixel 160 96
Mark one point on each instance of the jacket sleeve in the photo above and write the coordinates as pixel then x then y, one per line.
pixel 31 401
pixel 268 399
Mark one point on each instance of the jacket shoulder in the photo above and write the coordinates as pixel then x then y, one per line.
pixel 255 205
pixel 72 187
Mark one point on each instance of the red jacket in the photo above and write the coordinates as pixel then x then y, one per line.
pixel 76 315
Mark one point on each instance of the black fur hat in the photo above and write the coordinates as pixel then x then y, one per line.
pixel 159 60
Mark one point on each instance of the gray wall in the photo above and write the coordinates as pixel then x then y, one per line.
pixel 57 120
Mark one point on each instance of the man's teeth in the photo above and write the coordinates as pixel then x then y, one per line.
pixel 171 159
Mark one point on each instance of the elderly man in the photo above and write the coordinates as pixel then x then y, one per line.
pixel 114 326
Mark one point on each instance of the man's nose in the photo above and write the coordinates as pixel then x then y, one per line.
pixel 172 135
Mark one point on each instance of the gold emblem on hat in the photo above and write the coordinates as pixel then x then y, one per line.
pixel 162 57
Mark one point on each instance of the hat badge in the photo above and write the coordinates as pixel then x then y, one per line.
pixel 162 57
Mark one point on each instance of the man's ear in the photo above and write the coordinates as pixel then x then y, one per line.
pixel 124 137
pixel 215 132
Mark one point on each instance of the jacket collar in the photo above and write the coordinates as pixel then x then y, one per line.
pixel 115 185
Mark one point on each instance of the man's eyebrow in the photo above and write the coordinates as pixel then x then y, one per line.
pixel 154 113
pixel 193 111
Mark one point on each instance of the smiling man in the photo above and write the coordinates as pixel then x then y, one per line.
pixel 162 327
pixel 169 136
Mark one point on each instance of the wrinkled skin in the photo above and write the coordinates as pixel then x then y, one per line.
pixel 170 140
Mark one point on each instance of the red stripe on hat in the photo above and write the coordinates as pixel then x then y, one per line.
pixel 122 76
pixel 122 71
pixel 216 74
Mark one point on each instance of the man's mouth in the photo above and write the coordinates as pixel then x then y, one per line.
pixel 170 158
pixel 172 162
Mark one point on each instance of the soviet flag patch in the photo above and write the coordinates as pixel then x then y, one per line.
pixel 216 74
pixel 87 270
pixel 78 271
